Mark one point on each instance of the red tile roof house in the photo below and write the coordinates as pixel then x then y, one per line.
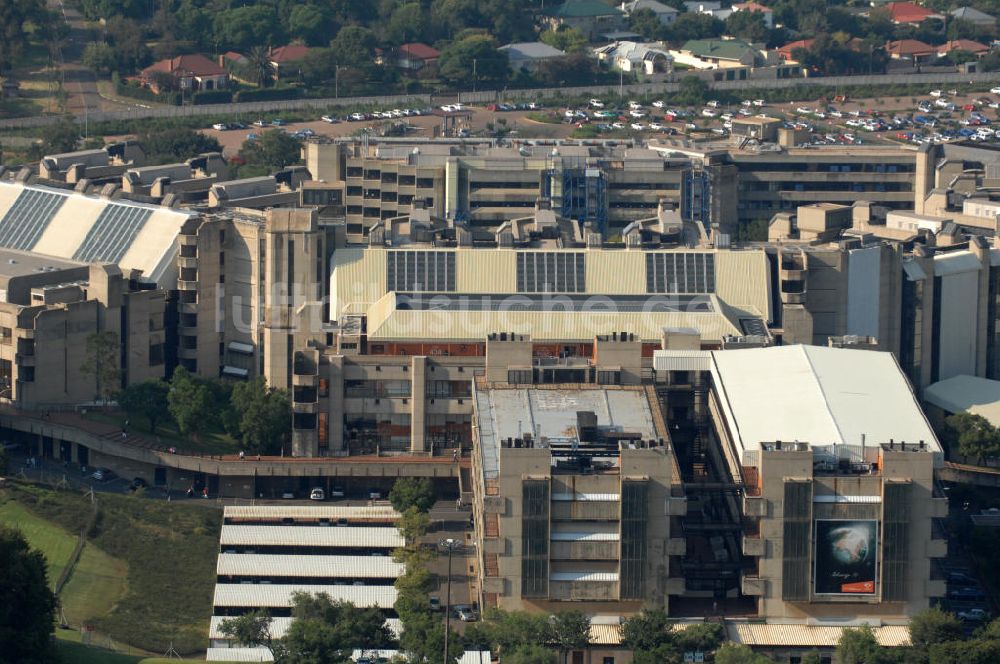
pixel 416 56
pixel 756 7
pixel 193 72
pixel 973 47
pixel 284 59
pixel 910 49
pixel 908 12
pixel 785 52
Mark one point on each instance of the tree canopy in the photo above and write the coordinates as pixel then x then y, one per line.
pixel 263 416
pixel 273 150
pixel 971 435
pixel 417 492
pixel 147 399
pixel 189 402
pixel 27 622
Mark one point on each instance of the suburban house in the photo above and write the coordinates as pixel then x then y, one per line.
pixel 416 56
pixel 285 59
pixel 975 48
pixel 591 17
pixel 701 6
pixel 191 72
pixel 721 53
pixel 528 55
pixel 974 16
pixel 908 12
pixel 634 56
pixel 913 50
pixel 785 52
pixel 759 8
pixel 665 13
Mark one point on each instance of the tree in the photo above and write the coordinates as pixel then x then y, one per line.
pixel 413 524
pixel 409 22
pixel 101 362
pixel 61 137
pixel 27 614
pixel 647 630
pixel 15 17
pixel 100 57
pixel 690 26
pixel 415 492
pixel 934 626
pixel 146 399
pixel 737 653
pixel 857 646
pixel 473 59
pixel 165 146
pixel 505 632
pixel 189 401
pixel 575 69
pixel 249 630
pixel 243 28
pixel 530 653
pixel 310 23
pixel 570 631
pixel 569 40
pixel 646 23
pixel 705 637
pixel 973 435
pixel 258 69
pixel 356 627
pixel 273 150
pixel 264 416
pixel 976 651
pixel 692 90
pixel 353 44
pixel 423 639
pixel 747 25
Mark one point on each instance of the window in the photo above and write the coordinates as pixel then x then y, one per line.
pixel 409 271
pixel 27 374
pixel 155 355
pixel 5 336
pixel 551 272
pixel 680 272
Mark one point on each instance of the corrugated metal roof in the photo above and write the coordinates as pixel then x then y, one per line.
pixel 328 567
pixel 586 497
pixel 583 576
pixel 815 636
pixel 584 537
pixel 605 635
pixel 260 654
pixel 359 512
pixel 855 500
pixel 276 595
pixel 682 360
pixel 280 625
pixel 346 536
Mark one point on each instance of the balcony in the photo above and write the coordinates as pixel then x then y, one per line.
pixel 937 548
pixel 754 506
pixel 754 546
pixel 936 588
pixel 584 551
pixel 186 261
pixel 753 586
pixel 298 407
pixel 585 511
pixel 676 546
pixel 583 590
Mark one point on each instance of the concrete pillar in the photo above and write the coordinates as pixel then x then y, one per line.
pixel 418 404
pixel 335 405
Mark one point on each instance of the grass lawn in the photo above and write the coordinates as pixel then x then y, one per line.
pixel 97 583
pixel 56 543
pixel 77 653
pixel 209 442
pixel 167 552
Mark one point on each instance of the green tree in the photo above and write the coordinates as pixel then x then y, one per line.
pixel 972 435
pixel 530 653
pixel 934 626
pixel 354 44
pixel 333 625
pixel 175 144
pixel 692 90
pixel 413 524
pixel 264 416
pixel 147 399
pixel 647 630
pixel 242 28
pixel 16 17
pixel 63 136
pixel 569 40
pixel 473 59
pixel 423 639
pixel 101 362
pixel 27 611
pixel 705 637
pixel 857 646
pixel 576 69
pixel 505 632
pixel 258 69
pixel 189 402
pixel 249 630
pixel 409 22
pixel 273 150
pixel 695 26
pixel 737 653
pixel 976 651
pixel 415 492
pixel 646 23
pixel 310 23
pixel 747 25
pixel 100 56
pixel 570 631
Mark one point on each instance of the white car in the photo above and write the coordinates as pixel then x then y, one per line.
pixel 449 108
pixel 638 126
pixel 634 105
pixel 941 102
pixel 995 91
pixel 317 493
pixel 709 113
pixel 973 615
pixel 656 126
pixel 220 126
pixel 746 102
pixel 759 102
pixel 329 118
pixel 713 104
pixel 635 113
pixel 596 103
pixel 802 110
pixel 357 116
pixel 617 125
pixel 935 93
pixel 569 113
pixel 836 114
pixel 659 103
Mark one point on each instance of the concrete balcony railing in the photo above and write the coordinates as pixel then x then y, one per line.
pixel 937 548
pixel 585 511
pixel 584 551
pixel 594 591
pixel 753 586
pixel 754 506
pixel 676 546
pixel 754 546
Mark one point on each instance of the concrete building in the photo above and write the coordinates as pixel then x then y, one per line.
pixel 527 56
pixel 575 491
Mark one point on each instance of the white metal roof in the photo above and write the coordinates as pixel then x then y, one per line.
pixel 275 595
pixel 293 535
pixel 260 654
pixel 584 537
pixel 359 512
pixel 979 396
pixel 583 576
pixel 819 395
pixel 280 625
pixel 585 497
pixel 327 567
pixel 956 263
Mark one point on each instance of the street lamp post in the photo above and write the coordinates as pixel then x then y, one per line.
pixel 449 545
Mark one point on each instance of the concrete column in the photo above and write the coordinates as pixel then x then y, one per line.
pixel 418 404
pixel 335 405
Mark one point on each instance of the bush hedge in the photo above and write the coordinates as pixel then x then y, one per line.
pixel 267 94
pixel 212 97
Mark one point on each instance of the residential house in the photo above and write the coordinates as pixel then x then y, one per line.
pixel 910 13
pixel 285 59
pixel 633 56
pixel 701 6
pixel 786 51
pixel 528 55
pixel 591 17
pixel 759 8
pixel 719 54
pixel 974 16
pixel 665 13
pixel 975 48
pixel 416 56
pixel 191 72
pixel 911 49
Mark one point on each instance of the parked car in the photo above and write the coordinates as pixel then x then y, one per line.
pixel 973 615
pixel 317 493
pixel 278 122
pixel 968 593
pixel 330 119
pixel 220 126
pixel 288 494
pixel 658 103
pixel 596 103
pixel 337 492
pixel 435 603
pixel 935 93
pixel 465 613
pixel 103 475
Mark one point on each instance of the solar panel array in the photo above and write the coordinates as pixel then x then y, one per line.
pixel 27 218
pixel 420 270
pixel 551 272
pixel 680 272
pixel 112 234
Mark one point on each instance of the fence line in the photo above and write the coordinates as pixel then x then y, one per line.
pixel 485 96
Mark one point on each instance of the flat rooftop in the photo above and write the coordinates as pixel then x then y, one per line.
pixel 555 302
pixel 14 263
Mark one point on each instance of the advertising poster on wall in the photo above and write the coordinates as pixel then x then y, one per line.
pixel 846 556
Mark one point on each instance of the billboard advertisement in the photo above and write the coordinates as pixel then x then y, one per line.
pixel 846 555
